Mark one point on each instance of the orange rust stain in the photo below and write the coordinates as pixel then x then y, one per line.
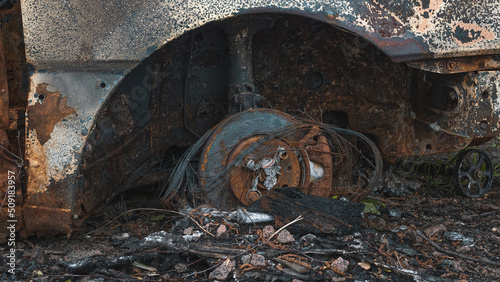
pixel 43 117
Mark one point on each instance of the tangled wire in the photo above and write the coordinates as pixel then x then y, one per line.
pixel 356 158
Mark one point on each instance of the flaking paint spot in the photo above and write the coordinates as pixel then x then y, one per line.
pixel 43 117
pixel 426 15
pixel 469 34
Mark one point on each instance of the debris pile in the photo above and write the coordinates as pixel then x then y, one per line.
pixel 411 239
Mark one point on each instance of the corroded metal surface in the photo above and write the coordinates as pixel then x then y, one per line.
pixel 46 221
pixel 459 65
pixel 127 32
pixel 60 111
pixel 346 81
pixel 242 178
pixel 11 64
pixel 222 142
pixel 50 109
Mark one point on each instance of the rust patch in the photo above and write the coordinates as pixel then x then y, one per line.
pixel 384 21
pixel 459 65
pixel 44 116
pixel 44 221
pixel 470 33
pixel 4 93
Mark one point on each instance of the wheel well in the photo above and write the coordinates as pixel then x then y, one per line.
pixel 300 66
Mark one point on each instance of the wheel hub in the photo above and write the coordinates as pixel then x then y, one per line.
pixel 255 151
pixel 276 165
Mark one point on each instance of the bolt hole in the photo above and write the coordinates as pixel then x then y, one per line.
pixel 284 186
pixel 428 147
pixel 103 84
pixel 289 168
pixel 284 155
pixel 486 94
pixel 41 97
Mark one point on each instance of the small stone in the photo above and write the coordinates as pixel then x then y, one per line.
pixel 181 267
pixel 407 250
pixel 463 249
pixel 446 264
pixel 245 259
pixel 223 270
pixel 267 231
pixel 221 230
pixel 121 237
pixel 415 237
pixel 378 223
pixel 395 212
pixel 188 231
pixel 258 260
pixel 455 236
pixel 435 229
pixel 399 228
pixel 340 264
pixel 285 237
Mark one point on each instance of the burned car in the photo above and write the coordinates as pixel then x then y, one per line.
pixel 97 96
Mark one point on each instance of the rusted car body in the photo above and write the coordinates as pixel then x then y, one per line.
pixel 96 95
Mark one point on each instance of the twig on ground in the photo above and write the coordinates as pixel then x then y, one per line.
pixel 330 251
pixel 486 213
pixel 412 273
pixel 204 230
pixel 455 253
pixel 148 209
pixel 285 226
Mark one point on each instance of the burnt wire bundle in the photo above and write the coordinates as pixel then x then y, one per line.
pixel 356 160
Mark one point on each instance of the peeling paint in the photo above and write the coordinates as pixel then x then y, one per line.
pixel 426 12
pixel 471 33
pixel 124 41
pixel 49 109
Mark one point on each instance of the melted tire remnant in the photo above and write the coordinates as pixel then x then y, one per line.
pixel 321 215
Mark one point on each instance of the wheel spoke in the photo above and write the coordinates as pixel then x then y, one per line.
pixel 462 174
pixel 480 160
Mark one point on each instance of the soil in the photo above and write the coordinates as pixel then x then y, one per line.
pixel 432 234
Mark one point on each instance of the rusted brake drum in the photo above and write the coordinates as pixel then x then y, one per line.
pixel 255 151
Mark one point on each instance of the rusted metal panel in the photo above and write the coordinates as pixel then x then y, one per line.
pixel 4 92
pixel 10 159
pixel 459 65
pixel 50 109
pixel 47 221
pixel 127 32
pixel 60 113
